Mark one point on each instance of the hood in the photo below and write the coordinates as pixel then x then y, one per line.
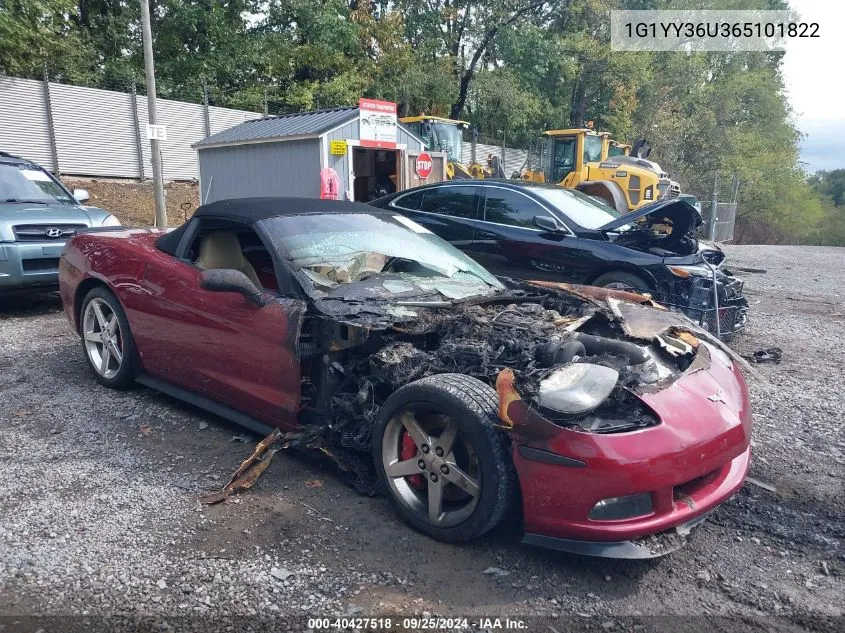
pixel 12 214
pixel 674 209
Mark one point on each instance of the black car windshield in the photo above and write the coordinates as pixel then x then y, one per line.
pixel 578 207
pixel 333 249
pixel 20 182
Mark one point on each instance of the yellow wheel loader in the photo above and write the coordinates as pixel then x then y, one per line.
pixel 594 164
pixel 446 135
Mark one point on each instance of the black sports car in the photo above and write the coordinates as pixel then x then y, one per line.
pixel 533 231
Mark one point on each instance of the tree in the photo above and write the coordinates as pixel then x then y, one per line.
pixel 34 32
pixel 465 31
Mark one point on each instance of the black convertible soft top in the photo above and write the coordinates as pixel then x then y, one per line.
pixel 251 210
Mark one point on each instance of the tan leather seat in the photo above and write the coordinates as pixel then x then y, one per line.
pixel 221 249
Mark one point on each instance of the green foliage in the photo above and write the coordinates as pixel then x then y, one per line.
pixel 510 67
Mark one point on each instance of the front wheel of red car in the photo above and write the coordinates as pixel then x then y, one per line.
pixel 445 466
pixel 106 339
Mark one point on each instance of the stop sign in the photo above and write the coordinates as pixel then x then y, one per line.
pixel 423 165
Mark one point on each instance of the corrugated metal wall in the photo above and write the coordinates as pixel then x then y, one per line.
pixel 23 120
pixel 290 168
pixel 96 131
pixel 514 158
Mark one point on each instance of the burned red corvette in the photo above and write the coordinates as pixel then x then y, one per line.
pixel 614 425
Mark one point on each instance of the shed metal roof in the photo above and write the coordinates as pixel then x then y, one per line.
pixel 298 125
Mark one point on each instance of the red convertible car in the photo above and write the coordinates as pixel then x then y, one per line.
pixel 611 424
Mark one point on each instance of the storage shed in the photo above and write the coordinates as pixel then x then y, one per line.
pixel 284 155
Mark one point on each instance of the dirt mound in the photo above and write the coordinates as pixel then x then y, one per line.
pixel 133 202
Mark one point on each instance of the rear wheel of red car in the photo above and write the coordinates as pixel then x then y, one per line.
pixel 445 467
pixel 106 339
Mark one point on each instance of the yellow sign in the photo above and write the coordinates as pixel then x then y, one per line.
pixel 339 148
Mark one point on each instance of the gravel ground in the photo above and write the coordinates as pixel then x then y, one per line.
pixel 98 491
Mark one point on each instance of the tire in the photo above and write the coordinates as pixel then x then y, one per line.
pixel 478 450
pixel 622 280
pixel 119 370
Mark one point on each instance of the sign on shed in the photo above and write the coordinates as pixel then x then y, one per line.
pixel 377 123
pixel 338 148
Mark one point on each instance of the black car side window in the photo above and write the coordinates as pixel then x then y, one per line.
pixel 509 207
pixel 458 202
pixel 410 201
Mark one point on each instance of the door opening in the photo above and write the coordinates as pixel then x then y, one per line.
pixel 375 173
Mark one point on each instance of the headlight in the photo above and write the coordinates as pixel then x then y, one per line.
pixel 690 271
pixel 111 221
pixel 615 508
pixel 577 388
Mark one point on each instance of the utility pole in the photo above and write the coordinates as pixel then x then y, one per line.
pixel 155 152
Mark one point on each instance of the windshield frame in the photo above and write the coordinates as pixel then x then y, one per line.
pixel 46 198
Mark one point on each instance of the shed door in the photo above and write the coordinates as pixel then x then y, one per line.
pixel 438 170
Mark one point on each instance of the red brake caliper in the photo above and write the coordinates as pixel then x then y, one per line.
pixel 409 451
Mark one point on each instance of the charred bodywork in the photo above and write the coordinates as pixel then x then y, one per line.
pixel 618 419
pixel 534 231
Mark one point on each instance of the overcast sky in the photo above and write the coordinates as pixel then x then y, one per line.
pixel 813 73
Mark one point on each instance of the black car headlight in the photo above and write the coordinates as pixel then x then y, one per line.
pixel 616 508
pixel 577 388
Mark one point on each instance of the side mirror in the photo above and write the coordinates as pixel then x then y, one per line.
pixel 547 223
pixel 228 280
pixel 80 195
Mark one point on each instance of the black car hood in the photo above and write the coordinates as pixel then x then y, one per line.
pixel 661 208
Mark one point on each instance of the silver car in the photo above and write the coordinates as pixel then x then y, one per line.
pixel 37 216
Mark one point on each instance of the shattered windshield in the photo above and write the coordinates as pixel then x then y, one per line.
pixel 332 250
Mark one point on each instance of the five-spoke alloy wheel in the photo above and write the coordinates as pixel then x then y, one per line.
pixel 443 463
pixel 106 338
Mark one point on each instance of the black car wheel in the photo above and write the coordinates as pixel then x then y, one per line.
pixel 622 280
pixel 106 339
pixel 445 467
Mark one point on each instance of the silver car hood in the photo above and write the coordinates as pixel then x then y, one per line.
pixel 12 214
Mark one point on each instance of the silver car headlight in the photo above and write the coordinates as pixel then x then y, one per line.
pixel 577 388
pixel 111 221
pixel 690 271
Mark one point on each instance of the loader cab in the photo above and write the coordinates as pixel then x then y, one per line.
pixel 439 134
pixel 615 148
pixel 568 152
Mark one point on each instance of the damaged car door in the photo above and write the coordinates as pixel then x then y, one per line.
pixel 236 345
pixel 519 237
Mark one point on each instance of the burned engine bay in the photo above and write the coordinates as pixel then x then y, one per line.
pixel 542 333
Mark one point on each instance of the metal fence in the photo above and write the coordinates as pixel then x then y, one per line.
pixel 93 132
pixel 513 159
pixel 719 209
